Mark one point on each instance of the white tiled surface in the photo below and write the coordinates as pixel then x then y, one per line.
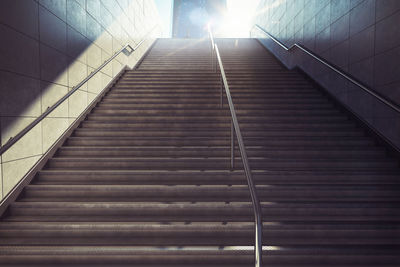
pixel 47 48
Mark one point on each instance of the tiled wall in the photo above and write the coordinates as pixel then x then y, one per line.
pixel 46 48
pixel 362 37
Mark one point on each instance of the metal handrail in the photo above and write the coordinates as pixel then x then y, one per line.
pixel 235 128
pixel 126 49
pixel 332 67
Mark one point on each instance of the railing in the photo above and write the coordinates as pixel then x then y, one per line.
pixel 332 67
pixel 236 129
pixel 127 50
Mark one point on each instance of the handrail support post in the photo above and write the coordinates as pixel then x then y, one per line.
pixel 222 91
pixel 232 146
pixel 212 57
pixel 258 244
pixel 215 61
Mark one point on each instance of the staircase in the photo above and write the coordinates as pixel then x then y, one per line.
pixel 145 180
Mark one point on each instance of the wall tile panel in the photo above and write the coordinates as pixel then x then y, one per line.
pixel 363 71
pixel 51 93
pixel 388 33
pixel 16 94
pixel 322 40
pixel 339 8
pixel 340 54
pixel 392 91
pixel 53 128
pixel 354 3
pixel 18 52
pixel 57 7
pixel 387 70
pixel 53 31
pixel 93 8
pixel 26 21
pixel 362 16
pixel 385 8
pixel 322 19
pixel 53 65
pixel 298 21
pixel 76 16
pixel 77 72
pixel 14 170
pixel 340 30
pixel 76 44
pixel 29 145
pixel 77 103
pixel 93 29
pixel 362 44
pixel 105 16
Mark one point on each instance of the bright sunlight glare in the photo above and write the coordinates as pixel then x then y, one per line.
pixel 238 20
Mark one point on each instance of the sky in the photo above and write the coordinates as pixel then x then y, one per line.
pixel 237 22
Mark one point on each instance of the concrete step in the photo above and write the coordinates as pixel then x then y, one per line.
pixel 212 257
pixel 217 163
pixel 351 213
pixel 218 177
pixel 205 234
pixel 331 141
pixel 219 151
pixel 323 107
pixel 182 132
pixel 209 193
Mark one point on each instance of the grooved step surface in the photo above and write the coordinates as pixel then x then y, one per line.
pixel 145 180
